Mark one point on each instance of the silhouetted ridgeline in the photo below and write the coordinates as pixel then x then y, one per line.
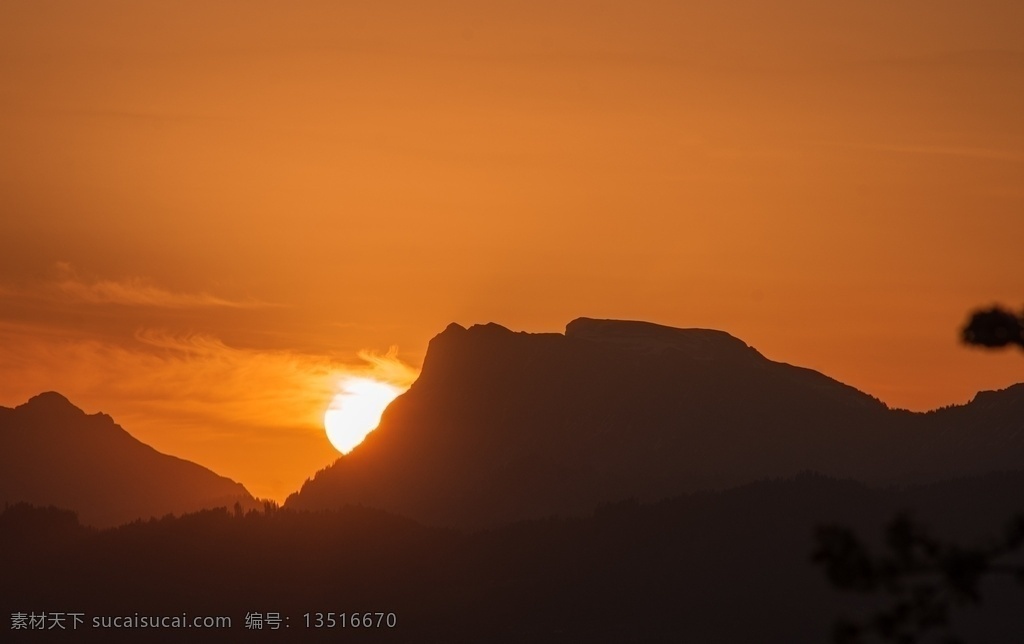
pixel 501 430
pixel 52 452
pixel 729 567
pixel 502 426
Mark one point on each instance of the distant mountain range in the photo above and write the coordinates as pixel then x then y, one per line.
pixel 52 453
pixel 502 426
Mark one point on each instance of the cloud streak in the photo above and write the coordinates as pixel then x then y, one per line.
pixel 996 154
pixel 139 292
pixel 253 414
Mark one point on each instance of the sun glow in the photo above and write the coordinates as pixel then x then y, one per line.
pixel 356 409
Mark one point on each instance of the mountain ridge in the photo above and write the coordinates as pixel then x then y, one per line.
pixel 504 425
pixel 52 452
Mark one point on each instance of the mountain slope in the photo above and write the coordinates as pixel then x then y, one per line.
pixel 51 452
pixel 502 426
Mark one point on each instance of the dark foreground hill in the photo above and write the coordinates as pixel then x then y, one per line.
pixel 729 567
pixel 503 426
pixel 51 452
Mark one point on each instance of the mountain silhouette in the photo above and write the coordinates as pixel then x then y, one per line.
pixel 53 453
pixel 727 567
pixel 502 426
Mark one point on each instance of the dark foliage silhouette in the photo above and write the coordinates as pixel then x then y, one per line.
pixel 994 328
pixel 712 567
pixel 922 577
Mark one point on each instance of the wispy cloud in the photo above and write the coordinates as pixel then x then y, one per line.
pixel 389 367
pixel 136 291
pixel 253 414
pixel 240 385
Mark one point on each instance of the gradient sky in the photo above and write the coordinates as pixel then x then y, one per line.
pixel 210 211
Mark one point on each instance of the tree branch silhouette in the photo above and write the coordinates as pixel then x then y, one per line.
pixel 923 577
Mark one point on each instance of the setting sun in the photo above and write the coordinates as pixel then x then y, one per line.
pixel 356 409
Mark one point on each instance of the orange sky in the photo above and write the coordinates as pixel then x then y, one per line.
pixel 208 209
